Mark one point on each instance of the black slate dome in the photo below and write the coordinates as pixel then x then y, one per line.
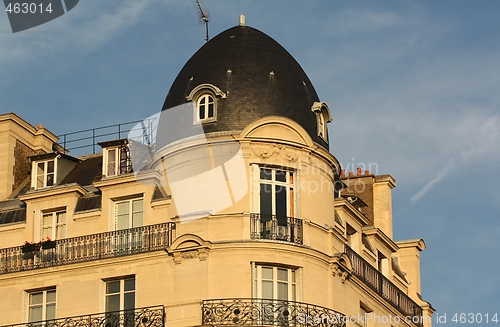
pixel 257 76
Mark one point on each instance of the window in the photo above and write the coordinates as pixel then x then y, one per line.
pixel 119 301
pixel 117 161
pixel 42 306
pixel 54 225
pixel 129 214
pixel 323 116
pixel 120 294
pixel 205 107
pixel 273 288
pixel 275 283
pixel 45 173
pixel 277 201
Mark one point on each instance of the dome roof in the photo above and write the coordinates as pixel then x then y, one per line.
pixel 257 78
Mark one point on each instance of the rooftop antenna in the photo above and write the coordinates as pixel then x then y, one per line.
pixel 203 15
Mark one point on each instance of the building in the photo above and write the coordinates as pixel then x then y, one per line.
pixel 250 222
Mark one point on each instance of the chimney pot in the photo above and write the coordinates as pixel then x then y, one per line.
pixel 359 171
pixel 342 173
pixel 351 174
pixel 367 172
pixel 40 126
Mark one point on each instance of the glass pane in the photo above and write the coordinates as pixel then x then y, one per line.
pixel 282 275
pixel 266 174
pixel 129 285
pixel 111 162
pixel 35 313
pixel 122 222
pixel 137 219
pixel 281 176
pixel 267 289
pixel 202 111
pixel 50 166
pixel 113 303
pixel 122 208
pixel 281 206
pixel 137 205
pixel 266 199
pixel 51 296
pixel 282 291
pixel 60 232
pixel 47 232
pixel 61 217
pixel 267 273
pixel 40 175
pixel 50 312
pixel 202 101
pixel 211 110
pixel 129 301
pixel 50 179
pixel 47 220
pixel 293 276
pixel 113 287
pixel 36 298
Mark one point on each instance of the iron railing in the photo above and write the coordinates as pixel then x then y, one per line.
pixel 266 312
pixel 88 138
pixel 140 317
pixel 88 247
pixel 280 228
pixel 384 287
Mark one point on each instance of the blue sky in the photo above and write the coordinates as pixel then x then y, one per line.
pixel 412 86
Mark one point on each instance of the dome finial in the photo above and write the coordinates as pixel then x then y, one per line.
pixel 242 20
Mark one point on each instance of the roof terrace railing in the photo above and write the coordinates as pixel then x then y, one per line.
pixel 86 248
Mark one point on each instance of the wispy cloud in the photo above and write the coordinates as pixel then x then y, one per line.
pixel 446 169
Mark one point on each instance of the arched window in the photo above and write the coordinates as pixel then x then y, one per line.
pixel 205 107
pixel 323 116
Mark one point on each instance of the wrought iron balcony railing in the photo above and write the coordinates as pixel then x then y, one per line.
pixel 266 312
pixel 140 317
pixel 271 227
pixel 88 247
pixel 384 287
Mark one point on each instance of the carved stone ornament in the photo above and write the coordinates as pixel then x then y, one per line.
pixel 340 265
pixel 187 247
pixel 268 150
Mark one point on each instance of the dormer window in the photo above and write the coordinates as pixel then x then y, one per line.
pixel 49 169
pixel 205 98
pixel 323 116
pixel 205 107
pixel 116 158
pixel 45 173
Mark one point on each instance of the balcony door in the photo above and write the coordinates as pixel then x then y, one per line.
pixel 129 219
pixel 275 291
pixel 276 202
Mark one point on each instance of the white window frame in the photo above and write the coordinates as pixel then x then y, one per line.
pixel 294 287
pixel 289 184
pixel 43 175
pixel 121 292
pixel 45 303
pixel 209 99
pixel 54 225
pixel 117 168
pixel 130 212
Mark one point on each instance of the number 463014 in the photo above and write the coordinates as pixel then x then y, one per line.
pixel 25 8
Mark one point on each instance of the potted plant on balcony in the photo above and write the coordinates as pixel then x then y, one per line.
pixel 48 244
pixel 28 247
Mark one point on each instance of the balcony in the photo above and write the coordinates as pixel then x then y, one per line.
pixel 140 317
pixel 88 248
pixel 278 228
pixel 264 312
pixel 384 287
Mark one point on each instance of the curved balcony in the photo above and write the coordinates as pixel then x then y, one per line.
pixel 278 228
pixel 266 312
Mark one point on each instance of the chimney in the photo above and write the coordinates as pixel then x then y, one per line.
pixel 242 20
pixel 342 173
